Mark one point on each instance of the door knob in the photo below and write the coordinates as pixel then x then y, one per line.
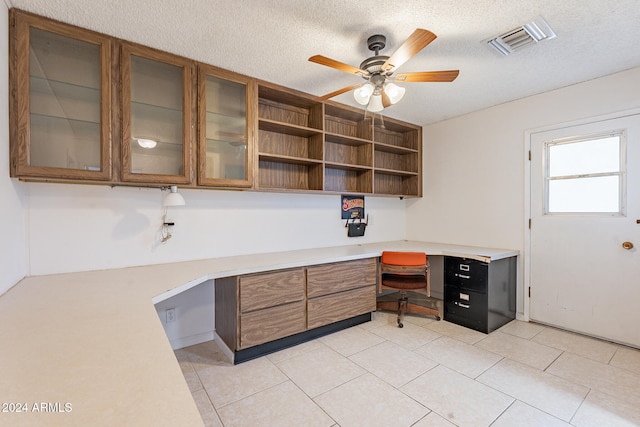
pixel 627 245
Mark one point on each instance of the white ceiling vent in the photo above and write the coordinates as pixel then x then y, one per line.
pixel 528 34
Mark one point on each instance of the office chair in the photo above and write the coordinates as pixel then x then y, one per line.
pixel 404 271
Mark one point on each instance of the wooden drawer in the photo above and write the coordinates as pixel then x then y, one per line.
pixel 342 305
pixel 264 290
pixel 327 279
pixel 270 324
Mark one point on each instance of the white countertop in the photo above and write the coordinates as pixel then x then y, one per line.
pixel 94 340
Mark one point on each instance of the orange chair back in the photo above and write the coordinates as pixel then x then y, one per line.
pixel 404 258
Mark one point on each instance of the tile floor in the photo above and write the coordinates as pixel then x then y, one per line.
pixel 426 374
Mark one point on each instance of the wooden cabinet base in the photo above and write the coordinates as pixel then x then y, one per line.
pixel 280 344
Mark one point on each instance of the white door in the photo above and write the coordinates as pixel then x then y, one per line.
pixel 584 216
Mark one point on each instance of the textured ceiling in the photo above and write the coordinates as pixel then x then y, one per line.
pixel 272 40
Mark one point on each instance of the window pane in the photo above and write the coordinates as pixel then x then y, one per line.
pixel 226 129
pixel 594 194
pixel 156 115
pixel 64 90
pixel 585 157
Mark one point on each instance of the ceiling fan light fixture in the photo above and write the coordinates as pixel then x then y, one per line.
pixel 375 103
pixel 363 93
pixel 394 92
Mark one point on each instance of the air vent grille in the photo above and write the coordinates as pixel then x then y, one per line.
pixel 525 35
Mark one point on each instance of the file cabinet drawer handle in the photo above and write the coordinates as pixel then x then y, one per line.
pixel 464 305
pixel 463 276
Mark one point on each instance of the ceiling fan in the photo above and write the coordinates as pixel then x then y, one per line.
pixel 380 91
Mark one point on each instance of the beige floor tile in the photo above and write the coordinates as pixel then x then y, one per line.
pixel 617 382
pixel 207 412
pixel 530 353
pixel 204 354
pixel 600 410
pixel 459 356
pixel 456 331
pixel 296 350
pixel 627 358
pixel 536 388
pixel 522 415
pixel 419 320
pixel 526 330
pixel 319 371
pixel 411 336
pixel 282 405
pixel 351 341
pixel 369 401
pixel 433 420
pixel 457 398
pixel 228 383
pixel 379 318
pixel 393 364
pixel 584 346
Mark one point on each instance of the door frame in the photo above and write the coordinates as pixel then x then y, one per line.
pixel 528 134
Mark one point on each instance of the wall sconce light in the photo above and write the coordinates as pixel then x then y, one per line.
pixel 172 199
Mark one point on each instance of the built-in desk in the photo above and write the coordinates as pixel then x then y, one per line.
pixel 94 340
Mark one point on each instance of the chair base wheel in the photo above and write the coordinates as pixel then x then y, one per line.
pixel 400 325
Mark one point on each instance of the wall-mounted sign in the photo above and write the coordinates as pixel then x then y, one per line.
pixel 352 207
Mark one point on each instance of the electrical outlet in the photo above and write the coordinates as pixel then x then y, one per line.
pixel 171 315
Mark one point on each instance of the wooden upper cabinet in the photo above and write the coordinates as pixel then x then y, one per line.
pixel 225 134
pixel 157 123
pixel 60 79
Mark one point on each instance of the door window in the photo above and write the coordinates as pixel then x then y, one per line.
pixel 585 175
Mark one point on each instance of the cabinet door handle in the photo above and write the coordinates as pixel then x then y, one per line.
pixel 463 276
pixel 464 305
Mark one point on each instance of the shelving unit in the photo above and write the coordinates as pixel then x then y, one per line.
pixel 60 101
pixel 225 148
pixel 73 90
pixel 397 159
pixel 290 140
pixel 163 115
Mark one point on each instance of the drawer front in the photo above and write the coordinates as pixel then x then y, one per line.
pixel 470 274
pixel 327 279
pixel 259 327
pixel 264 290
pixel 342 305
pixel 465 307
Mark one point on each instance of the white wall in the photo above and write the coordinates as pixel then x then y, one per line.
pixel 12 223
pixel 473 166
pixel 193 316
pixel 85 227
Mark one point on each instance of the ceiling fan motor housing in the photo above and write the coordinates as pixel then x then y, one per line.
pixel 376 42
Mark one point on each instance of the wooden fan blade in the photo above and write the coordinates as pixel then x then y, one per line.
pixel 340 91
pixel 414 44
pixel 428 76
pixel 323 60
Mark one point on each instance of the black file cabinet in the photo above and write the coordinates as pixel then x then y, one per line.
pixel 479 295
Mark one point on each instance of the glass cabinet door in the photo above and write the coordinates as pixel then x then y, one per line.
pixel 224 150
pixel 62 85
pixel 156 108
